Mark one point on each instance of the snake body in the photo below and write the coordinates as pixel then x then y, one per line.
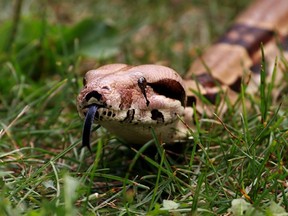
pixel 130 100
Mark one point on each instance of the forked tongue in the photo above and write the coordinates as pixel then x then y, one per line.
pixel 92 109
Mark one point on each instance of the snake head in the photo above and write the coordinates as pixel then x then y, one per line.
pixel 131 100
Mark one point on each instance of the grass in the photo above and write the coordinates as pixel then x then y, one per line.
pixel 43 56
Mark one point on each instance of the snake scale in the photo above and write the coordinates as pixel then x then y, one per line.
pixel 130 100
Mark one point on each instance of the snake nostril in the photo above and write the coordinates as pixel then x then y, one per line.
pixel 93 94
pixel 106 88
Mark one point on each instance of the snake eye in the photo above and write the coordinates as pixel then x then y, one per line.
pixel 142 83
pixel 84 81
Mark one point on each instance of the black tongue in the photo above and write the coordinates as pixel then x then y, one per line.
pixel 88 126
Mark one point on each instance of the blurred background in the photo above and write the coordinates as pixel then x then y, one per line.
pixel 46 47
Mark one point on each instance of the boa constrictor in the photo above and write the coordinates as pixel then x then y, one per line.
pixel 130 100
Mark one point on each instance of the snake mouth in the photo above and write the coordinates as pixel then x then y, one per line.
pixel 89 118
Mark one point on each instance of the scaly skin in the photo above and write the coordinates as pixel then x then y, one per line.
pixel 133 99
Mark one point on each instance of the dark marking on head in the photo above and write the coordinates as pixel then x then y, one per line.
pixel 109 113
pixel 249 37
pixel 157 116
pixel 206 80
pixel 129 116
pixel 236 86
pixel 93 94
pixel 142 83
pixel 191 100
pixel 169 88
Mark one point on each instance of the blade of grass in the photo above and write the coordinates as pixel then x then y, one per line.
pixel 200 181
pixel 263 96
pixel 94 168
pixel 151 206
pixel 41 169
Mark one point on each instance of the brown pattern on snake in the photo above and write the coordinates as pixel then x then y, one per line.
pixel 211 97
pixel 127 100
pixel 249 37
pixel 206 80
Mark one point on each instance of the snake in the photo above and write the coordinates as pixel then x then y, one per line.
pixel 131 101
